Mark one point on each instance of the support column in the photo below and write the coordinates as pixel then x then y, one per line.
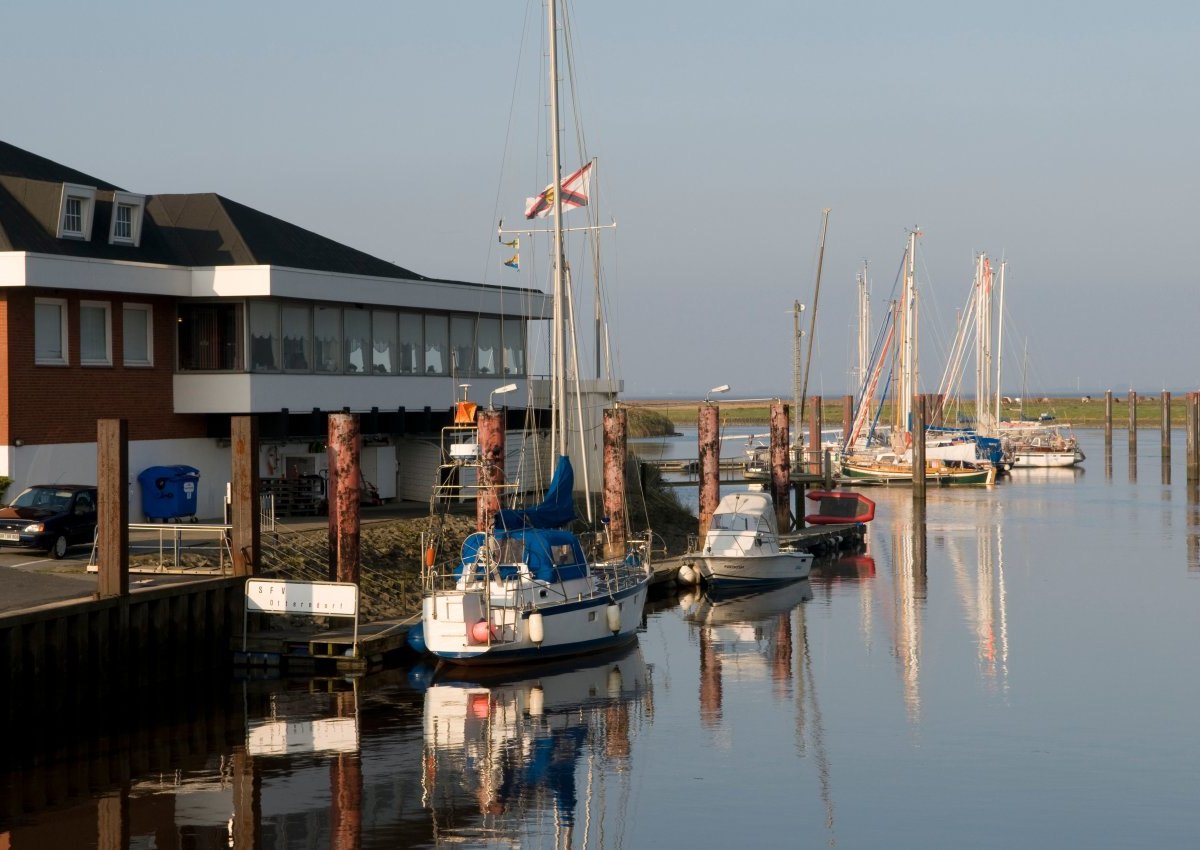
pixel 1164 426
pixel 616 431
pixel 1192 415
pixel 245 513
pixel 814 433
pixel 781 466
pixel 112 510
pixel 918 447
pixel 344 496
pixel 708 435
pixel 491 472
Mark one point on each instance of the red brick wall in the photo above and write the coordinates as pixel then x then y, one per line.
pixel 60 404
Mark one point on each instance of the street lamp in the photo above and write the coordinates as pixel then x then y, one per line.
pixel 507 388
pixel 724 388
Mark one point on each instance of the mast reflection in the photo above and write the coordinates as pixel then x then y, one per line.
pixel 502 754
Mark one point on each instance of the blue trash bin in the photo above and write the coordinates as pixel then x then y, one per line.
pixel 169 492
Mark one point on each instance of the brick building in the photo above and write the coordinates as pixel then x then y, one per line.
pixel 177 311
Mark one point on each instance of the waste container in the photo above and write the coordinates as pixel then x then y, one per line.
pixel 169 492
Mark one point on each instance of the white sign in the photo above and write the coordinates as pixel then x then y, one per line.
pixel 315 598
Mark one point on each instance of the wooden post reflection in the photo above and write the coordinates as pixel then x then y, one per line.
pixel 246 828
pixel 112 821
pixel 1193 538
pixel 346 792
pixel 710 681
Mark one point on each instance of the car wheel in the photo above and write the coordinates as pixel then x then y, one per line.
pixel 59 549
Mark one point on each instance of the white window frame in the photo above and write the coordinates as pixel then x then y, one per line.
pixel 61 303
pixel 86 195
pixel 137 207
pixel 149 311
pixel 92 361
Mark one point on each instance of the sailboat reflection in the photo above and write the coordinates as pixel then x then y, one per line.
pixel 502 757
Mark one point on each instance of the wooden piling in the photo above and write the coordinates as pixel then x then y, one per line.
pixel 491 469
pixel 918 447
pixel 1132 422
pixel 616 434
pixel 708 435
pixel 815 425
pixel 1192 418
pixel 847 417
pixel 245 512
pixel 1108 413
pixel 781 467
pixel 1164 423
pixel 344 496
pixel 112 533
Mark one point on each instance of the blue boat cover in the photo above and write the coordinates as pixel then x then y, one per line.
pixel 551 554
pixel 555 511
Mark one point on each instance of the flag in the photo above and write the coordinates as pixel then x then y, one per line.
pixel 513 262
pixel 514 243
pixel 575 190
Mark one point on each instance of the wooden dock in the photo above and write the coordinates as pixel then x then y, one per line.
pixel 311 649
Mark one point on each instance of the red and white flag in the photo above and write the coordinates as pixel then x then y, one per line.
pixel 575 190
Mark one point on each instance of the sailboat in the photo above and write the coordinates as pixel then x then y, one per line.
pixel 525 589
pixel 894 465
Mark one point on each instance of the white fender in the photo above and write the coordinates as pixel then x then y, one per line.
pixel 536 628
pixel 614 617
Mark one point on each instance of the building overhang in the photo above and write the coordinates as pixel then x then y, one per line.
pixel 24 269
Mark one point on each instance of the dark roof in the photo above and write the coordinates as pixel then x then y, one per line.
pixel 211 230
pixel 188 230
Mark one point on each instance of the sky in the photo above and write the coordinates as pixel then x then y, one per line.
pixel 1060 136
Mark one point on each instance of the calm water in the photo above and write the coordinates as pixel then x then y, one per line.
pixel 1019 670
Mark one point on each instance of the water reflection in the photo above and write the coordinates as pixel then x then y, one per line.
pixel 502 761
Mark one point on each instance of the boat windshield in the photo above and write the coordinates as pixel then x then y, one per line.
pixel 729 522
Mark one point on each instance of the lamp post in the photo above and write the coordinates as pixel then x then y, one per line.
pixel 507 388
pixel 724 388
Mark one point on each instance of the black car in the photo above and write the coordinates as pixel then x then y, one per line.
pixel 51 517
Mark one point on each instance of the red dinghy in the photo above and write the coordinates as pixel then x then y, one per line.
pixel 840 508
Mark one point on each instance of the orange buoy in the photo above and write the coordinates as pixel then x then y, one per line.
pixel 429 557
pixel 482 631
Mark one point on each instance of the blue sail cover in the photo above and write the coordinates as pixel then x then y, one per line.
pixel 555 511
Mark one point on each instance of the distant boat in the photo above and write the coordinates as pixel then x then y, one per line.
pixel 1035 445
pixel 742 546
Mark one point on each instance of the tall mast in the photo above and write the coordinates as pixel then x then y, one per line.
pixel 864 327
pixel 812 319
pixel 908 340
pixel 558 414
pixel 999 343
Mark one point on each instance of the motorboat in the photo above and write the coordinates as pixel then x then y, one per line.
pixel 742 546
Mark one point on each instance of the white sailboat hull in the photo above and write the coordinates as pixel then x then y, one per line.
pixel 1045 460
pixel 479 626
pixel 748 570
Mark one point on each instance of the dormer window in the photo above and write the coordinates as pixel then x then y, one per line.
pixel 126 227
pixel 75 212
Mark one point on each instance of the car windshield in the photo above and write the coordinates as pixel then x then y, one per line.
pixel 46 498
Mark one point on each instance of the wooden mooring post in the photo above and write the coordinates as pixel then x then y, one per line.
pixel 815 426
pixel 781 467
pixel 1192 436
pixel 112 532
pixel 1108 413
pixel 1164 423
pixel 245 512
pixel 616 432
pixel 918 447
pixel 344 495
pixel 491 466
pixel 847 417
pixel 709 453
pixel 1133 400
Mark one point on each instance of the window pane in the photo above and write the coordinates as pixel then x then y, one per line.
pixel 136 335
pixel 264 337
pixel 47 332
pixel 93 333
pixel 357 324
pixel 327 324
pixel 297 343
pixel 383 342
pixel 487 346
pixel 462 344
pixel 73 217
pixel 124 225
pixel 409 346
pixel 437 345
pixel 210 337
pixel 514 346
